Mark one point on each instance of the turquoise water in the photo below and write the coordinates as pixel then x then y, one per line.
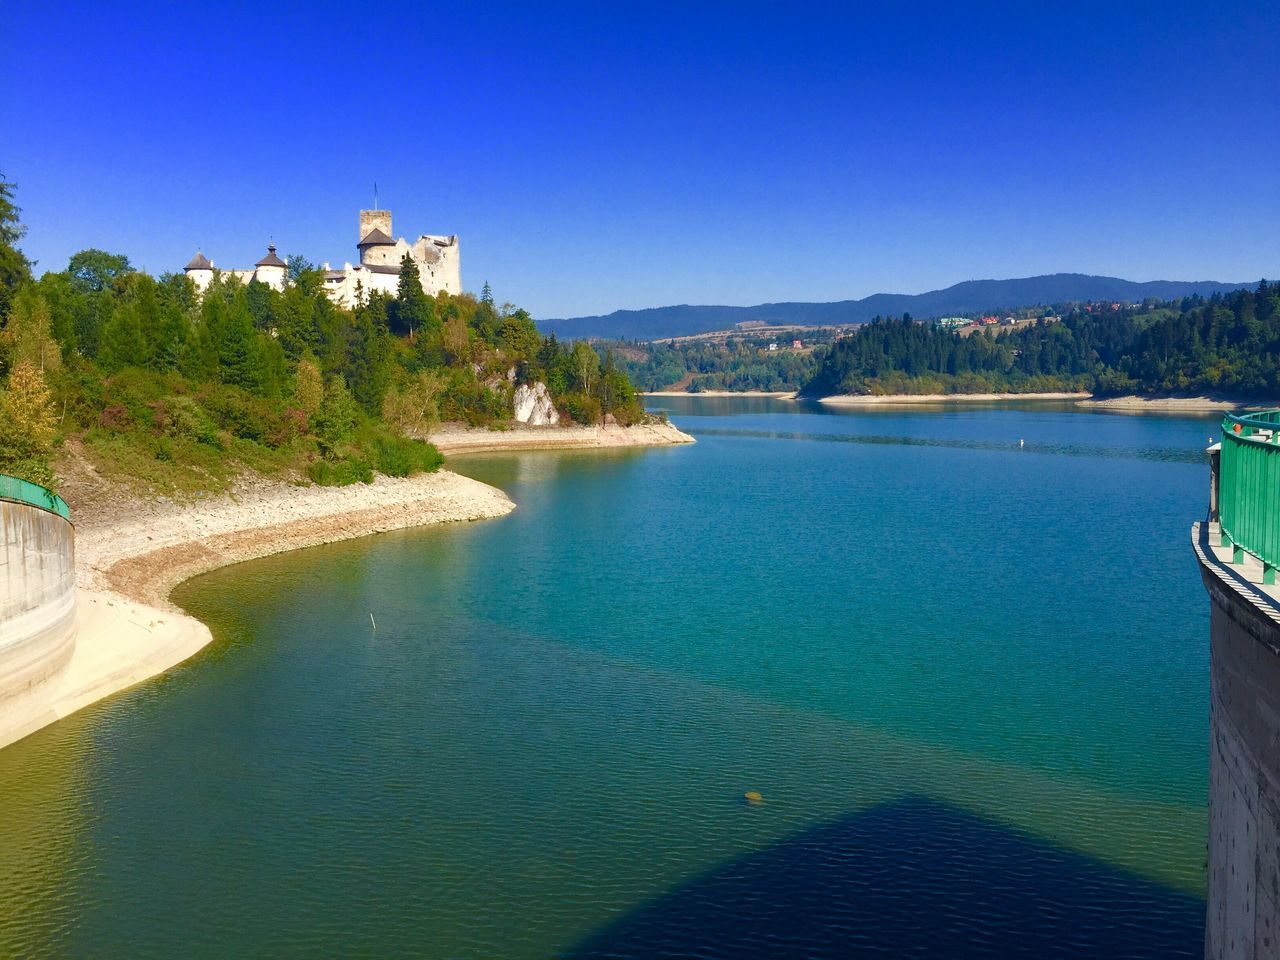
pixel 968 676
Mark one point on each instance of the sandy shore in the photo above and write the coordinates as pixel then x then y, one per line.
pixel 1172 404
pixel 861 400
pixel 774 394
pixel 132 552
pixel 454 438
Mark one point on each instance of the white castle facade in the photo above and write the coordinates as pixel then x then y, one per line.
pixel 437 259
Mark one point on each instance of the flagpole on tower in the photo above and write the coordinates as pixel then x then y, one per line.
pixel 375 196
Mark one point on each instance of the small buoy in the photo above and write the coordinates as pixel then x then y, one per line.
pixel 753 796
pixel 1022 443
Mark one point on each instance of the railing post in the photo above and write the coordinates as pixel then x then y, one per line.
pixel 1215 460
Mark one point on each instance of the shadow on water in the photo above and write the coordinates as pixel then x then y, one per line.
pixel 909 878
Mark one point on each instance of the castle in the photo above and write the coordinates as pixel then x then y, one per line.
pixel 437 259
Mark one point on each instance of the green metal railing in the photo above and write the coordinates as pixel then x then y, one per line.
pixel 21 491
pixel 1249 488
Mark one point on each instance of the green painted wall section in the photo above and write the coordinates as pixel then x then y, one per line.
pixel 22 491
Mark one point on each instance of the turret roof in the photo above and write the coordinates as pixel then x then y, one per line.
pixel 199 262
pixel 376 238
pixel 271 260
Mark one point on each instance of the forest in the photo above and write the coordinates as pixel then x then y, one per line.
pixel 739 363
pixel 182 392
pixel 1227 345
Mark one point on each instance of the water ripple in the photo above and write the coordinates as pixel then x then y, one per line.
pixel 1163 454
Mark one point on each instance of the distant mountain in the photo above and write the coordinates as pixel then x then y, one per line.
pixel 972 295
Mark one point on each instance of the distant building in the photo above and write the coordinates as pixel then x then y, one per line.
pixel 952 323
pixel 437 258
pixel 797 344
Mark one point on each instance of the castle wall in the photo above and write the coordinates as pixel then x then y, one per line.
pixel 1243 913
pixel 37 596
pixel 385 256
pixel 440 264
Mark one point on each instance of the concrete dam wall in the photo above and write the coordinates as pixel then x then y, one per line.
pixel 37 595
pixel 1243 910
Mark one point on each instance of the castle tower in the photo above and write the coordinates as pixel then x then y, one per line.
pixel 376 245
pixel 271 269
pixel 371 220
pixel 200 270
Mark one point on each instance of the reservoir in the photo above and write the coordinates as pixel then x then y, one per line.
pixel 959 652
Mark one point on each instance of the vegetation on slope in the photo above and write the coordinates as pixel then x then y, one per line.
pixel 183 392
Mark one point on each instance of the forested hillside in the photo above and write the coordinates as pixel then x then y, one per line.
pixel 183 392
pixel 1227 345
pixel 971 295
pixel 741 363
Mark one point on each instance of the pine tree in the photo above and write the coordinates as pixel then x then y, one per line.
pixel 412 314
pixel 15 269
pixel 122 343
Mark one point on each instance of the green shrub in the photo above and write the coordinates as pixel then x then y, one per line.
pixel 235 411
pixel 403 457
pixel 180 416
pixel 581 408
pixel 340 473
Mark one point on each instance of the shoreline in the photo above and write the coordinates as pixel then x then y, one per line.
pixel 1130 404
pixel 131 553
pixel 858 400
pixel 1127 404
pixel 453 438
pixel 772 394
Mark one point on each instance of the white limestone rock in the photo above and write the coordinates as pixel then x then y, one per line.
pixel 533 406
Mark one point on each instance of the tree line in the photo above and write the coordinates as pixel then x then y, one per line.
pixel 1228 345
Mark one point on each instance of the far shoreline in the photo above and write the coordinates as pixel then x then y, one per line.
pixel 1133 403
pixel 771 394
pixel 872 400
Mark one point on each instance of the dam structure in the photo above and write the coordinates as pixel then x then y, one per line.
pixel 37 588
pixel 1238 550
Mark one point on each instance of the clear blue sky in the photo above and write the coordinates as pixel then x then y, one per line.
pixel 598 156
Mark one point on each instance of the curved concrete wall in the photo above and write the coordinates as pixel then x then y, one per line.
pixel 1243 915
pixel 37 595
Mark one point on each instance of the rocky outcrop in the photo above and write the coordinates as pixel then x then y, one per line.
pixel 533 406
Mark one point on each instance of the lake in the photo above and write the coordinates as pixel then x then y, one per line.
pixel 961 653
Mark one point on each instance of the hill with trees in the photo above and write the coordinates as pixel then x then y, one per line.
pixel 749 361
pixel 182 392
pixel 973 295
pixel 1227 345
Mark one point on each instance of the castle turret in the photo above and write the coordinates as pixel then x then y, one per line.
pixel 376 245
pixel 270 269
pixel 200 270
